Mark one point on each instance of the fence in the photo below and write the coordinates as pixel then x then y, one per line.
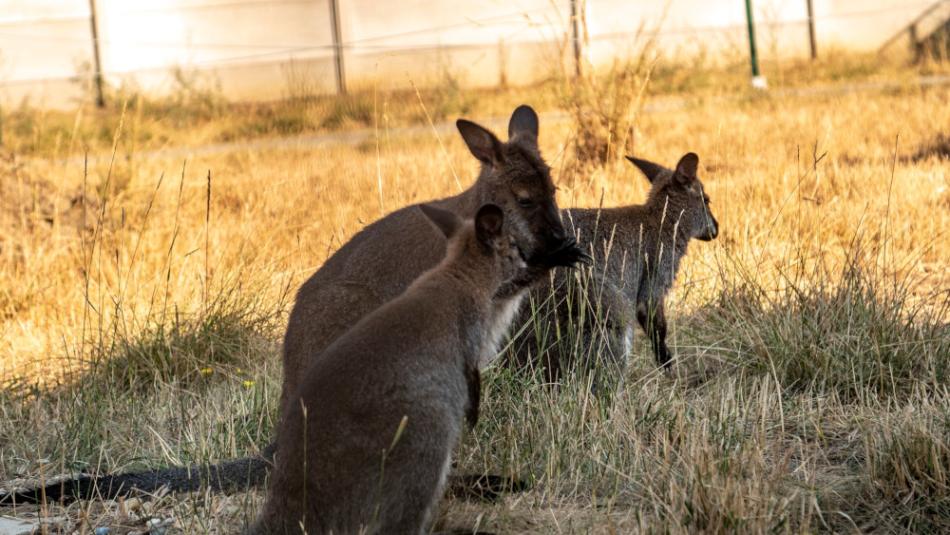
pixel 257 49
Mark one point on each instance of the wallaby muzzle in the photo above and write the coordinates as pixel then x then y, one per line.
pixel 554 235
pixel 711 230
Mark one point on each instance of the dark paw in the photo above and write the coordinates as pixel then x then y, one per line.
pixel 568 254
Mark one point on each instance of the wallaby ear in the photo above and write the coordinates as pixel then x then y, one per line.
pixel 444 220
pixel 524 124
pixel 488 223
pixel 687 166
pixel 483 144
pixel 649 169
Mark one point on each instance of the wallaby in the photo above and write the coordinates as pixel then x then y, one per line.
pixel 365 442
pixel 376 265
pixel 637 251
pixel 380 261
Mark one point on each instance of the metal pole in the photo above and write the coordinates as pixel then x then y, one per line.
pixel 337 47
pixel 757 80
pixel 502 64
pixel 915 44
pixel 811 30
pixel 97 62
pixel 576 38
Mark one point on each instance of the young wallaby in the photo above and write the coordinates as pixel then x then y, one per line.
pixel 376 265
pixel 637 251
pixel 365 442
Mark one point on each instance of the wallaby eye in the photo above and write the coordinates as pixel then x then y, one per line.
pixel 525 202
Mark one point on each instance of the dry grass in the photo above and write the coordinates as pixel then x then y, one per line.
pixel 140 320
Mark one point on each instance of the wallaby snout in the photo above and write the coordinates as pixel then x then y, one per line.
pixel 550 233
pixel 712 229
pixel 557 232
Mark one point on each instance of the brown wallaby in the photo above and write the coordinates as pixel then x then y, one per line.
pixel 365 441
pixel 380 261
pixel 637 251
pixel 376 265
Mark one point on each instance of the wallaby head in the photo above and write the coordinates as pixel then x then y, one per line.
pixel 683 195
pixel 486 242
pixel 515 177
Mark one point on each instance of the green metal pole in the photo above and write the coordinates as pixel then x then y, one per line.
pixel 753 56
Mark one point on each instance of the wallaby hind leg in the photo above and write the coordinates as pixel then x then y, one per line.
pixel 652 318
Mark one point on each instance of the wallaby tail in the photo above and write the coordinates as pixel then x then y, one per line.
pixel 228 476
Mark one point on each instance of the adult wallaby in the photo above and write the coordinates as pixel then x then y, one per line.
pixel 637 251
pixel 365 441
pixel 376 265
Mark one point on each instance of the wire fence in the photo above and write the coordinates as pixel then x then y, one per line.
pixel 127 30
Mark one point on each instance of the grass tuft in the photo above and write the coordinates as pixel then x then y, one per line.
pixel 189 350
pixel 908 468
pixel 851 333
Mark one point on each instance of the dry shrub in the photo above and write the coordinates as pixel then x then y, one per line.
pixel 604 109
pixel 604 105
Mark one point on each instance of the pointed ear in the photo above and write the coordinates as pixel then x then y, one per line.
pixel 687 166
pixel 444 220
pixel 524 125
pixel 649 169
pixel 488 223
pixel 483 144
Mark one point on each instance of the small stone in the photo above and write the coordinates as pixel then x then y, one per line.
pixel 15 526
pixel 158 526
pixel 102 530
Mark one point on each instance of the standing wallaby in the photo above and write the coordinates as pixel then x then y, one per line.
pixel 376 265
pixel 365 441
pixel 637 251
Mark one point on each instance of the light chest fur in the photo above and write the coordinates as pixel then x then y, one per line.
pixel 504 315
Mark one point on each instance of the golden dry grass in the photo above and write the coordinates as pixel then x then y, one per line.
pixel 131 266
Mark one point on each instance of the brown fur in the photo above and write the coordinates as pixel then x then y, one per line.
pixel 637 251
pixel 365 442
pixel 385 257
